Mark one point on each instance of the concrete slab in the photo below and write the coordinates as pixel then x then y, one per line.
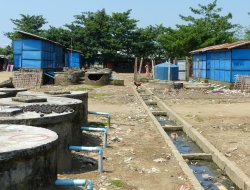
pixel 22 140
pixel 29 99
pixel 8 111
pixel 197 156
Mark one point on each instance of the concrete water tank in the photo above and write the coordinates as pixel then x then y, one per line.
pixel 28 157
pixel 161 71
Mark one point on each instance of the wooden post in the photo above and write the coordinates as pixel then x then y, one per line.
pixel 187 69
pixel 153 68
pixel 198 61
pixel 135 70
pixel 140 65
pixel 169 67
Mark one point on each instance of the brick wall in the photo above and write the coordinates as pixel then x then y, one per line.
pixel 28 79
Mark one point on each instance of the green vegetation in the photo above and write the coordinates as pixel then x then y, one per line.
pixel 113 37
pixel 98 95
pixel 117 183
pixel 85 89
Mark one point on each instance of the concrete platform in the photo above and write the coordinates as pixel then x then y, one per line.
pixel 61 123
pixel 27 157
pixel 77 100
pixel 11 92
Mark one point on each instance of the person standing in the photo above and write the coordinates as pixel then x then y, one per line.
pixel 147 70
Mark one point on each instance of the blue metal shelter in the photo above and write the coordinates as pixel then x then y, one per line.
pixel 73 59
pixel 222 62
pixel 161 71
pixel 35 52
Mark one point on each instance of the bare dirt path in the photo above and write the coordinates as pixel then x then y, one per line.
pixel 5 75
pixel 137 157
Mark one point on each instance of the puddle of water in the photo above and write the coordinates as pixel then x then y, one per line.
pixel 183 143
pixel 153 108
pixel 164 121
pixel 210 176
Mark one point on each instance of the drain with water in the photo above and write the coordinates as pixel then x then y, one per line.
pixel 210 176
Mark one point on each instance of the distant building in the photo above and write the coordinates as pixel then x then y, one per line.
pixel 222 62
pixel 3 62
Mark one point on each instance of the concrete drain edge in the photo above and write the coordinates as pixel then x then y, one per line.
pixel 230 168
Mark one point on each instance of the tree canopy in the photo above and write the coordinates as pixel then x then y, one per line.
pixel 28 23
pixel 113 36
pixel 207 27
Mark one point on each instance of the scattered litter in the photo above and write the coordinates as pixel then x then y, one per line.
pixel 151 170
pixel 160 160
pixel 128 160
pixel 116 139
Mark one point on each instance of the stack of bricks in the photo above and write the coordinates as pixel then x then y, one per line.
pixel 28 79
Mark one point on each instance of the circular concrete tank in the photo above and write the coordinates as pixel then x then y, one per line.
pixel 3 95
pixel 61 123
pixel 11 92
pixel 79 103
pixel 27 157
pixel 79 95
pixel 97 78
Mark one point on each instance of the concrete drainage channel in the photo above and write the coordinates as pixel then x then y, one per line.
pixel 203 164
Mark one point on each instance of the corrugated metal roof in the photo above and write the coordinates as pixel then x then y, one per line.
pixel 38 37
pixel 221 46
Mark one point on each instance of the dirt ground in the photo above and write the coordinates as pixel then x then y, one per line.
pixel 222 118
pixel 137 157
pixel 5 75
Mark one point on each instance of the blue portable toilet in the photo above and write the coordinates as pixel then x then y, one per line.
pixel 161 71
pixel 73 59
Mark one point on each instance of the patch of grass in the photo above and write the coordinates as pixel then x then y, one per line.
pixel 85 89
pixel 97 123
pixel 117 183
pixel 97 95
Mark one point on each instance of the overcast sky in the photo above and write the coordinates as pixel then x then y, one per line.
pixel 149 12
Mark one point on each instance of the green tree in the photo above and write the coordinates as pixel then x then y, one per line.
pixel 60 35
pixel 247 33
pixel 28 23
pixel 147 42
pixel 8 52
pixel 207 27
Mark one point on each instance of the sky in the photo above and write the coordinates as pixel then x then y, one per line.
pixel 148 12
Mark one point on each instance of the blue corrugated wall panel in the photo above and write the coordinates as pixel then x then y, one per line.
pixel 36 64
pixel 227 76
pixel 216 64
pixel 17 46
pixel 241 65
pixel 212 74
pixel 217 75
pixel 35 45
pixel 241 54
pixel 17 60
pixel 32 55
pixel 208 74
pixel 222 75
pixel 161 72
pixel 38 54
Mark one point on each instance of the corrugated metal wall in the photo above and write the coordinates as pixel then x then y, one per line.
pixel 73 60
pixel 161 71
pixel 222 65
pixel 37 54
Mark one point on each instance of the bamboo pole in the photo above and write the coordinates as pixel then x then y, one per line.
pixel 140 65
pixel 187 69
pixel 153 68
pixel 169 65
pixel 135 70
